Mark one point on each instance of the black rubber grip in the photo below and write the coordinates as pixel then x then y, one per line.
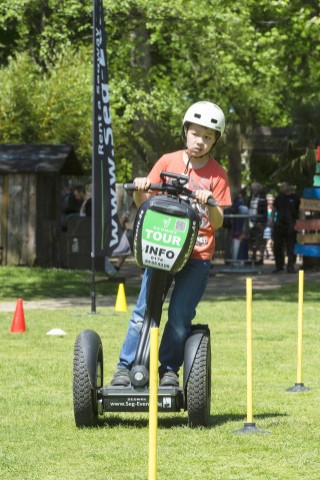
pixel 163 188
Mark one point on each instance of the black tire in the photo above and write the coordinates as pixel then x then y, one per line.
pixel 85 392
pixel 199 386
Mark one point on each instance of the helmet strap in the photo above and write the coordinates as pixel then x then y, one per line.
pixel 187 164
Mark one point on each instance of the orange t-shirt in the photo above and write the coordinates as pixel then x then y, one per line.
pixel 210 177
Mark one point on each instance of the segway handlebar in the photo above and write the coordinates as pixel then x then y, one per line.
pixel 175 188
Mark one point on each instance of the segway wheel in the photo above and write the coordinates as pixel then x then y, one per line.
pixel 87 378
pixel 199 386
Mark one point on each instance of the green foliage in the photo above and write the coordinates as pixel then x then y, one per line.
pixel 66 118
pixel 38 108
pixel 257 60
pixel 43 28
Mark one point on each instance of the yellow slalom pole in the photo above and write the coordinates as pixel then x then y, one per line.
pixel 249 350
pixel 153 402
pixel 299 386
pixel 249 426
pixel 300 319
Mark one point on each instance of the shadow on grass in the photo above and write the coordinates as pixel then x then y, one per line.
pixel 179 420
pixel 216 420
pixel 166 423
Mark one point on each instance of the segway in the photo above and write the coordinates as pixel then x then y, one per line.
pixel 165 232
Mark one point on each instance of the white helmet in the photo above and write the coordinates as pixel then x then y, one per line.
pixel 206 114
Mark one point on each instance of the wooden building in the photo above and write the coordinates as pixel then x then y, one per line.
pixel 31 178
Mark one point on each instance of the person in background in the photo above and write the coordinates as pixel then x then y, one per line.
pixel 283 217
pixel 79 192
pixel 127 211
pixel 70 205
pixel 257 204
pixel 86 206
pixel 267 233
pixel 129 217
pixel 239 247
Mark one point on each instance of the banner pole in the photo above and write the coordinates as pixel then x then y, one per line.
pixel 93 286
pixel 93 240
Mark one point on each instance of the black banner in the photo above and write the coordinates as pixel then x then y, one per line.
pixel 105 225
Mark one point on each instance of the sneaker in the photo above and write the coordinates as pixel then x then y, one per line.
pixel 277 270
pixel 169 379
pixel 121 378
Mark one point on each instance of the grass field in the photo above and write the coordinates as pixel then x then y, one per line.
pixel 43 283
pixel 40 441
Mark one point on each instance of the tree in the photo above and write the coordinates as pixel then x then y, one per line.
pixel 257 60
pixel 37 108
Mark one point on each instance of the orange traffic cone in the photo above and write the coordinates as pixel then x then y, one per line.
pixel 18 324
pixel 121 302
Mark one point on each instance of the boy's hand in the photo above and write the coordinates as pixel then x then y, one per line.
pixel 140 194
pixel 142 183
pixel 203 196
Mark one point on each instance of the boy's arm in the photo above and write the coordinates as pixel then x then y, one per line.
pixel 215 213
pixel 215 217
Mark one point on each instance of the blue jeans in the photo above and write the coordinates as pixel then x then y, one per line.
pixel 189 286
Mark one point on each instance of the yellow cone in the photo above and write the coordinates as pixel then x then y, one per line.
pixel 121 302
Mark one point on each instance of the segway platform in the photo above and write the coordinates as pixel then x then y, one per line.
pixel 120 399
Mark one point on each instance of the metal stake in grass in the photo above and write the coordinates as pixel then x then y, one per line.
pixel 299 386
pixel 153 403
pixel 249 425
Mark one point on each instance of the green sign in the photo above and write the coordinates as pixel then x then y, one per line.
pixel 163 238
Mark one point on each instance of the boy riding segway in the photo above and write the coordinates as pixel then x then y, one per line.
pixel 180 207
pixel 203 125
